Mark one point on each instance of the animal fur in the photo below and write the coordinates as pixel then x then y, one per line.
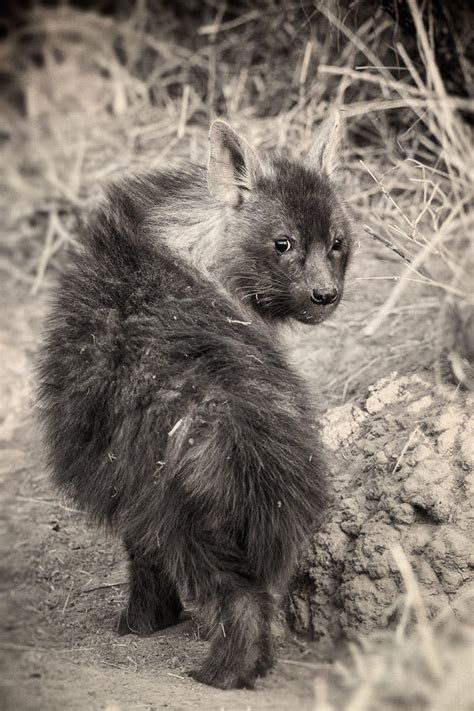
pixel 170 412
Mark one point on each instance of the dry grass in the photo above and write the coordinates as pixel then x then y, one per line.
pixel 431 667
pixel 99 95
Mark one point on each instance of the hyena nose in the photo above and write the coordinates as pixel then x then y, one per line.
pixel 324 295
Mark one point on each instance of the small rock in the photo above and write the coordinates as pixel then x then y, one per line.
pixel 403 513
pixel 422 452
pixel 429 487
pixel 447 440
pixel 340 425
pixel 381 457
pixel 418 405
pixel 381 398
pixel 449 418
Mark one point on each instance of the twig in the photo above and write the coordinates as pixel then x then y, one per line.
pixel 402 453
pixel 48 502
pixel 22 647
pixel 216 27
pixel 398 289
pixel 66 602
pixel 378 238
pixel 103 586
pixel 45 254
pixel 175 427
pixel 308 665
pixel 184 111
pixel 403 278
pixel 414 601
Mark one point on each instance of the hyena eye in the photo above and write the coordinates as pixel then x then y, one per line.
pixel 282 245
pixel 337 243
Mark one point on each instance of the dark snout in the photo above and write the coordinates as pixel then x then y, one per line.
pixel 320 288
pixel 323 296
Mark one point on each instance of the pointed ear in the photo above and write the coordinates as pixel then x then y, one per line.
pixel 325 151
pixel 233 164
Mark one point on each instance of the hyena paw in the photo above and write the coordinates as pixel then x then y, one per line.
pixel 265 663
pixel 129 623
pixel 223 678
pixel 132 622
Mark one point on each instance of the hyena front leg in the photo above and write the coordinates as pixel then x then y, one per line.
pixel 154 601
pixel 235 622
pixel 266 652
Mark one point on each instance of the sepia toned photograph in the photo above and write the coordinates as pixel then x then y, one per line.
pixel 237 355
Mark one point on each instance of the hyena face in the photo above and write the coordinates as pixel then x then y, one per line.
pixel 294 243
pixel 289 238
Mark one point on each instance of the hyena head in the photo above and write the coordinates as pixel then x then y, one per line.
pixel 288 236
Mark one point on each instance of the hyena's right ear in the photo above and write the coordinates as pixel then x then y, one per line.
pixel 325 151
pixel 233 165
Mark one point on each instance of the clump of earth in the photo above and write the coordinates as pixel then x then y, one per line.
pixel 401 470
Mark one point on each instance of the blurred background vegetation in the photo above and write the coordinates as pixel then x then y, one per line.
pixel 92 88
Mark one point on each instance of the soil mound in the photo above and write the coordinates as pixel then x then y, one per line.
pixel 402 472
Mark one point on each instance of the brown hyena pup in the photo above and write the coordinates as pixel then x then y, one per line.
pixel 169 409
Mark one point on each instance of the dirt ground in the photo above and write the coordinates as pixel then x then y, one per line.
pixel 63 581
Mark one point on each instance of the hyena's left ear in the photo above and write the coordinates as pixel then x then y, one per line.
pixel 325 152
pixel 233 165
